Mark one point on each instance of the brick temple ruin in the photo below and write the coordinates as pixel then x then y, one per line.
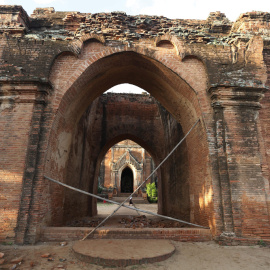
pixel 55 66
pixel 124 167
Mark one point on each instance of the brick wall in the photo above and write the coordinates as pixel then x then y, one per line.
pixel 48 84
pixel 17 122
pixel 264 128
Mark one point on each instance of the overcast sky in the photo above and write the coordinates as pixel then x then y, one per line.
pixel 181 9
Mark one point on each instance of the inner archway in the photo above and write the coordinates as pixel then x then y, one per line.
pixel 126 154
pixel 127 181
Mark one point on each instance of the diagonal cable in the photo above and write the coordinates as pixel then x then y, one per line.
pixel 126 206
pixel 122 204
pixel 104 220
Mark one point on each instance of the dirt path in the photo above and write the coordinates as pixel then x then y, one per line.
pixel 207 255
pixel 194 256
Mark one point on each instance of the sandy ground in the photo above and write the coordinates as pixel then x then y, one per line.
pixel 207 255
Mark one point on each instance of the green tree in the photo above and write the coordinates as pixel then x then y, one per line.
pixel 151 191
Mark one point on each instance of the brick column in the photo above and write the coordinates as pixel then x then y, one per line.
pixel 222 166
pixel 21 110
pixel 21 107
pixel 243 197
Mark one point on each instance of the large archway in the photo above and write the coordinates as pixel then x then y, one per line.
pixel 172 92
pixel 175 94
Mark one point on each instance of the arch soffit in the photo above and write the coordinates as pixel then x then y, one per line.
pixel 77 84
pixel 77 47
pixel 69 108
pixel 163 78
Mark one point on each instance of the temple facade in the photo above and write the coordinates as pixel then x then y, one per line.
pixel 125 166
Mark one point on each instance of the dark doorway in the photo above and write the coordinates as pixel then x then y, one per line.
pixel 127 181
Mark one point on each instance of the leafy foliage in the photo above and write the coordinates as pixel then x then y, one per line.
pixel 151 191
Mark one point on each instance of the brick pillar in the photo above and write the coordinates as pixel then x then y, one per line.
pixel 222 166
pixel 243 198
pixel 21 108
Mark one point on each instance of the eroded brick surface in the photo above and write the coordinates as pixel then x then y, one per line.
pixel 54 66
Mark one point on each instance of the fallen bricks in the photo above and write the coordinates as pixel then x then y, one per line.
pixel 144 222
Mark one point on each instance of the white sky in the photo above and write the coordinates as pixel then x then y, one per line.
pixel 181 9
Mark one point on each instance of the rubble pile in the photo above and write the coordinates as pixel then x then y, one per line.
pixel 128 222
pixel 85 222
pixel 47 24
pixel 123 27
pixel 144 222
pixel 216 29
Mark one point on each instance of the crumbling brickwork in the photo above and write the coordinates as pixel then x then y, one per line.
pixel 54 68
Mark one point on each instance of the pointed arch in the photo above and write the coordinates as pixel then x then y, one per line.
pixel 127 180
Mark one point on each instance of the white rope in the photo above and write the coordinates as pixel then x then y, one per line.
pixel 126 206
pixel 133 208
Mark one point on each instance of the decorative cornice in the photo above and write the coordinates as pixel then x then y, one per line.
pixel 24 93
pixel 126 158
pixel 236 96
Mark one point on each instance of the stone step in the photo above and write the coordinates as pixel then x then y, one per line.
pixel 127 195
pixel 136 200
pixel 76 233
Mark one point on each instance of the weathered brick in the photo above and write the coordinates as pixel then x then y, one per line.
pixel 54 66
